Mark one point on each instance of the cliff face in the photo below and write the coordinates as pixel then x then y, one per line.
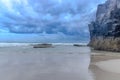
pixel 105 30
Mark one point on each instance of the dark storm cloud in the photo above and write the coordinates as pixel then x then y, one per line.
pixel 70 17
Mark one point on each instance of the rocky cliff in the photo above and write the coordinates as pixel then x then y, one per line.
pixel 105 30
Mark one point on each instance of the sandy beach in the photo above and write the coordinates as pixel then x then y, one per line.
pixel 105 65
pixel 57 63
pixel 61 62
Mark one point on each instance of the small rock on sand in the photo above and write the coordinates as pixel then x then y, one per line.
pixel 42 46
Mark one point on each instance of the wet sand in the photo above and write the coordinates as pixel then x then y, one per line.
pixel 58 63
pixel 105 65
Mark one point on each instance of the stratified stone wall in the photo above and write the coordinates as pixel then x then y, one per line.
pixel 105 31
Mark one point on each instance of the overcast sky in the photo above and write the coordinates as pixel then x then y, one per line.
pixel 46 20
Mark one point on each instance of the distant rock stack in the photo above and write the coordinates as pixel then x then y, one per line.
pixel 105 30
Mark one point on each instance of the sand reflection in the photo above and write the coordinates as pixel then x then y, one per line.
pixel 60 63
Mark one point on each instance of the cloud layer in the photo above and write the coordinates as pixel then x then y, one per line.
pixel 69 17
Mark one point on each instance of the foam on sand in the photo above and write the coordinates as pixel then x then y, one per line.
pixel 110 65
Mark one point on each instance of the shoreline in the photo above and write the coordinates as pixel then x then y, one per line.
pixel 97 56
pixel 105 65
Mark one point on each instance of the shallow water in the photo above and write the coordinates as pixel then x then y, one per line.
pixel 58 63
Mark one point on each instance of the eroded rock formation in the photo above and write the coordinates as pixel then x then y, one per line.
pixel 105 30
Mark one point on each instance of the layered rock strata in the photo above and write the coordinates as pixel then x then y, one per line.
pixel 105 30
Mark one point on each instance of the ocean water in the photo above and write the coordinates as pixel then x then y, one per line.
pixel 63 62
pixel 29 44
